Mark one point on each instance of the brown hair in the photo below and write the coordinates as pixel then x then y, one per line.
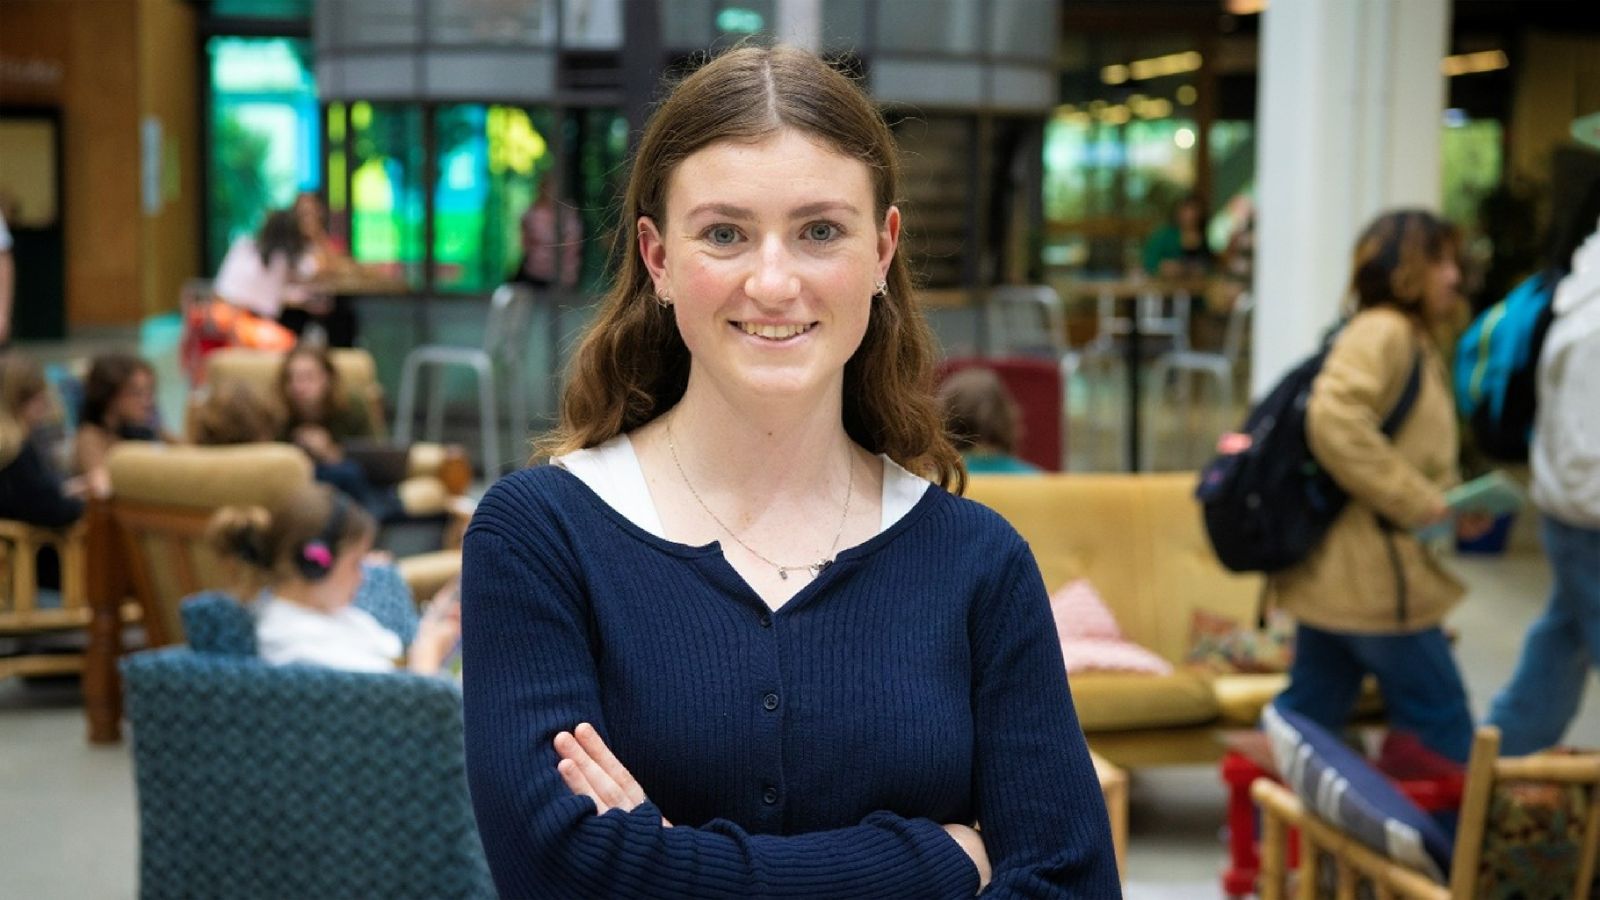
pixel 631 365
pixel 1393 256
pixel 108 375
pixel 21 380
pixel 332 398
pixel 268 542
pixel 978 410
pixel 235 413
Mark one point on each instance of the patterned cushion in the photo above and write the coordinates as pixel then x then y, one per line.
pixel 217 623
pixel 259 781
pixel 384 594
pixel 1532 840
pixel 1345 790
pixel 1225 646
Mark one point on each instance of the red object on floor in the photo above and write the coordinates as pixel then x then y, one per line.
pixel 1036 386
pixel 1434 795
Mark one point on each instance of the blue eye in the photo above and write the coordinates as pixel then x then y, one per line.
pixel 722 234
pixel 821 231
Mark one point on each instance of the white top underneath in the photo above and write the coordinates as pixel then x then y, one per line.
pixel 348 639
pixel 612 470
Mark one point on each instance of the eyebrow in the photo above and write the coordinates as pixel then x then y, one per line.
pixel 800 212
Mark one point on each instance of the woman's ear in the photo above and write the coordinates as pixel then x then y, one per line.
pixel 888 240
pixel 653 251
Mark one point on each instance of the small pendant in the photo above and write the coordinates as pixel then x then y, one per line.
pixel 783 573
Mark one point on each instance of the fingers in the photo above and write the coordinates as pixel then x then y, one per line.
pixel 590 740
pixel 605 790
pixel 573 778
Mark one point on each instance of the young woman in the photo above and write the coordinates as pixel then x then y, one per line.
pixel 733 642
pixel 119 404
pixel 319 418
pixel 301 568
pixel 1371 597
pixel 31 490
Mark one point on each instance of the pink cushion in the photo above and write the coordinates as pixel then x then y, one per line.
pixel 1100 655
pixel 1091 640
pixel 1080 613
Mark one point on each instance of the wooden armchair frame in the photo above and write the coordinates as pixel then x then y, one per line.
pixel 1352 861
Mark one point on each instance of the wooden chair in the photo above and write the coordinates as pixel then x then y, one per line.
pixel 1354 863
pixel 91 602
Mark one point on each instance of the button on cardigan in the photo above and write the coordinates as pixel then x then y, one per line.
pixel 811 752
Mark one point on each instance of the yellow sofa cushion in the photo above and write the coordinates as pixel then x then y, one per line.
pixel 1240 698
pixel 1117 701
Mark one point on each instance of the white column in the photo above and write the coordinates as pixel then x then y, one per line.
pixel 1349 114
pixel 800 23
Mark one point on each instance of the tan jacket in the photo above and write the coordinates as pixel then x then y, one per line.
pixel 1362 579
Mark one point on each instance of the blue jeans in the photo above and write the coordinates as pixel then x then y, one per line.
pixel 1421 686
pixel 1534 710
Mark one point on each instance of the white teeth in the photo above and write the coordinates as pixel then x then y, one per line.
pixel 773 332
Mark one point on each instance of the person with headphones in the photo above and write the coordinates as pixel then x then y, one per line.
pixel 1372 598
pixel 300 570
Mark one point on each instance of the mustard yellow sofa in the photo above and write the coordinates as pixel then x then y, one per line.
pixel 1140 542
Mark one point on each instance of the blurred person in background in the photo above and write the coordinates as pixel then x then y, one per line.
pixel 1563 644
pixel 552 240
pixel 1370 599
pixel 8 281
pixel 1178 249
pixel 983 422
pixel 31 490
pixel 270 276
pixel 119 404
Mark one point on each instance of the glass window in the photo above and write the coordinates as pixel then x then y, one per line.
pixel 1470 161
pixel 929 26
pixel 386 188
pixel 265 140
pixel 492 161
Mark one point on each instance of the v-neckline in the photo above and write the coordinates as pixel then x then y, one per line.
pixel 713 562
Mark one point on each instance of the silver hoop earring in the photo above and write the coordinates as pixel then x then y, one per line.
pixel 882 290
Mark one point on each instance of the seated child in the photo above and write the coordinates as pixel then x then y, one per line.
pixel 302 565
pixel 234 413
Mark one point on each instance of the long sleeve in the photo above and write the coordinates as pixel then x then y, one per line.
pixel 530 647
pixel 1362 378
pixel 30 492
pixel 1039 804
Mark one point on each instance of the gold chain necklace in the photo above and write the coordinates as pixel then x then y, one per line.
pixel 783 571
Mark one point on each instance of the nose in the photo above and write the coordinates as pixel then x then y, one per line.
pixel 773 280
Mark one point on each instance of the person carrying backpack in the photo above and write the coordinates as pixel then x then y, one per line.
pixel 1534 710
pixel 1369 597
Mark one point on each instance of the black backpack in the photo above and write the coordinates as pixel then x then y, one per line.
pixel 1268 505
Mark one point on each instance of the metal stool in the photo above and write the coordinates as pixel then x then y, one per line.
pixel 504 341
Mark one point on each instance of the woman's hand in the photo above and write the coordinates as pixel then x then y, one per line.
pixel 972 842
pixel 319 443
pixel 591 770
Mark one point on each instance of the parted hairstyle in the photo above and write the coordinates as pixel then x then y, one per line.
pixel 268 542
pixel 1393 256
pixel 632 365
pixel 979 411
pixel 108 374
pixel 332 398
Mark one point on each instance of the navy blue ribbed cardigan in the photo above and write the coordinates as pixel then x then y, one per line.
pixel 809 752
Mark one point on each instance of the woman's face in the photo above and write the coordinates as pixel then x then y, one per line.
pixel 135 404
pixel 309 213
pixel 307 383
pixel 770 252
pixel 1442 296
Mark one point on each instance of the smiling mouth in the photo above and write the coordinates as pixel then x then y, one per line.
pixel 774 332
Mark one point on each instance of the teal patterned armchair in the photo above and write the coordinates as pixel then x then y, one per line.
pixel 260 781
